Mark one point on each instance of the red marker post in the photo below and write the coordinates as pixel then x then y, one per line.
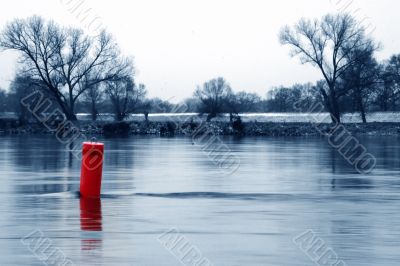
pixel 91 169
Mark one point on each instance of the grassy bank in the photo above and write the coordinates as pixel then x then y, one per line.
pixel 171 128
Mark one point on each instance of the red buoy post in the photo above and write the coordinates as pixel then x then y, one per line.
pixel 91 169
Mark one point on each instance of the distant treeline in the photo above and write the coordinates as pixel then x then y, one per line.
pixel 79 73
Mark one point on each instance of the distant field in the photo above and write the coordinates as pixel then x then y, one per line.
pixel 262 117
pixel 251 117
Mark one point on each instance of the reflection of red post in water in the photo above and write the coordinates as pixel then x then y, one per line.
pixel 91 220
pixel 91 169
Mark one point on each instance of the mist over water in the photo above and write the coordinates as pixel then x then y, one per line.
pixel 283 187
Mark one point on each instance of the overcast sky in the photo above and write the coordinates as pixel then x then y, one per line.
pixel 178 44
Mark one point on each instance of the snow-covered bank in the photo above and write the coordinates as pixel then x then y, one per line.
pixel 383 117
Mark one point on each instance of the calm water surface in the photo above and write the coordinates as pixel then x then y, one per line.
pixel 283 187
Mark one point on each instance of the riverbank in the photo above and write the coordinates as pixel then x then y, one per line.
pixel 172 128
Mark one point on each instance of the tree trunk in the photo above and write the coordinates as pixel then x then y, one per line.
pixel 22 118
pixel 70 109
pixel 94 111
pixel 65 108
pixel 211 116
pixel 335 117
pixel 94 116
pixel 331 104
pixel 360 104
pixel 335 112
pixel 363 116
pixel 71 116
pixel 333 107
pixel 120 116
pixel 384 105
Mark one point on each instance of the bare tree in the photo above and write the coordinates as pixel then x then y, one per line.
pixel 189 105
pixel 326 44
pixel 389 92
pixel 21 86
pixel 63 57
pixel 213 95
pixel 125 96
pixel 281 99
pixel 297 98
pixel 241 102
pixel 143 105
pixel 139 103
pixel 361 78
pixel 92 97
pixel 160 106
pixel 247 102
pixel 3 101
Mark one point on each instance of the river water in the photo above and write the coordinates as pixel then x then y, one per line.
pixel 157 191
